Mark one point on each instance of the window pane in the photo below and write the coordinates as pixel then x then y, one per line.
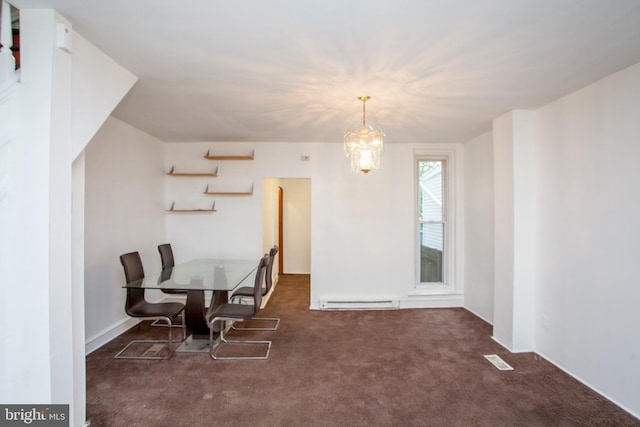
pixel 431 246
pixel 430 184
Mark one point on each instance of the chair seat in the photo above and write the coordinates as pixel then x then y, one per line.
pixel 246 291
pixel 239 312
pixel 233 311
pixel 165 309
pixel 136 306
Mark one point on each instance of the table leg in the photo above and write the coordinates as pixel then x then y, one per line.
pixel 194 315
pixel 196 322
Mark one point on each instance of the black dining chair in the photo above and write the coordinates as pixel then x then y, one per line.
pixel 166 257
pixel 246 292
pixel 231 312
pixel 137 306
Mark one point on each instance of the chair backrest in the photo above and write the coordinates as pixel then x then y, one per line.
pixel 133 271
pixel 166 255
pixel 269 272
pixel 257 286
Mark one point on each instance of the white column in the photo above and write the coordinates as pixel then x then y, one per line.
pixel 25 367
pixel 77 303
pixel 514 253
pixel 38 351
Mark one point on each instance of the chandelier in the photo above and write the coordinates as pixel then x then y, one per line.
pixel 364 145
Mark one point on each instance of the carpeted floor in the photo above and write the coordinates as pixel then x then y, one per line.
pixel 422 367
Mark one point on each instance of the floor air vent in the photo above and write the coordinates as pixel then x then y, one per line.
pixel 498 362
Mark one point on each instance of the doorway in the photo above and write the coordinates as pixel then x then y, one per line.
pixel 287 223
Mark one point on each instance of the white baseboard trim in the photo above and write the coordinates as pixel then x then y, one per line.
pixel 477 315
pixel 512 350
pixel 566 371
pixel 433 301
pixel 493 337
pixel 107 334
pixel 586 383
pixel 441 300
pixel 358 304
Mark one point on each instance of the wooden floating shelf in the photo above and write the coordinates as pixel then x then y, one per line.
pixel 226 157
pixel 193 174
pixel 213 209
pixel 191 210
pixel 209 174
pixel 228 193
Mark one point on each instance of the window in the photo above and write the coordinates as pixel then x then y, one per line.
pixel 432 220
pixel 438 245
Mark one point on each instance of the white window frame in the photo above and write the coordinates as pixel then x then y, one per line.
pixel 451 247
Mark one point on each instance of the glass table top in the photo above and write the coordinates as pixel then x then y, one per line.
pixel 200 274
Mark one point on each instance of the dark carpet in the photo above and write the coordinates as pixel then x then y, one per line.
pixel 420 367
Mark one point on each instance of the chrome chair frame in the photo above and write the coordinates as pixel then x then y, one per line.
pixel 136 306
pixel 212 352
pixel 243 293
pixel 230 312
pixel 169 342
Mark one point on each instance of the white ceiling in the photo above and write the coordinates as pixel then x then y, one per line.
pixel 291 70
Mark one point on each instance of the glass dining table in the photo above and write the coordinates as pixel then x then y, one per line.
pixel 220 276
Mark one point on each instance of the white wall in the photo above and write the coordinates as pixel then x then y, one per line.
pixel 362 226
pixel 588 294
pixel 235 230
pixel 124 213
pixel 478 185
pixel 99 84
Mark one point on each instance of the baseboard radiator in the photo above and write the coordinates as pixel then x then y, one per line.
pixel 359 304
